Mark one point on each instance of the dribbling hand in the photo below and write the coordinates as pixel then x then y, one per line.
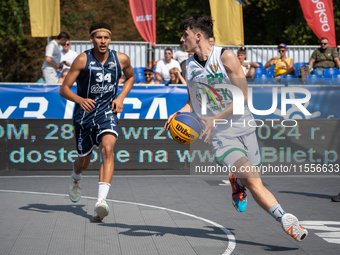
pixel 167 123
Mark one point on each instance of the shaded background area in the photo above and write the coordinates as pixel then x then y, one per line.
pixel 266 22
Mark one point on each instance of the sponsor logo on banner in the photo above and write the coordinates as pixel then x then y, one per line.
pixel 143 18
pixel 320 11
pixel 144 13
pixel 38 102
pixel 319 16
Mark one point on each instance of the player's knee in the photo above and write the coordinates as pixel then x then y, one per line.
pixel 107 151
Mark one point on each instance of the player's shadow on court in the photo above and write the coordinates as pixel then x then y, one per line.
pixel 207 232
pixel 267 247
pixel 307 194
pixel 76 209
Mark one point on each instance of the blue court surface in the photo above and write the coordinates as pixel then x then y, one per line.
pixel 158 213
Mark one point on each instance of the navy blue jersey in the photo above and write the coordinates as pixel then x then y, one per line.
pixel 100 83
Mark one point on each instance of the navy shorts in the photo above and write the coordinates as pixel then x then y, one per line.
pixel 90 136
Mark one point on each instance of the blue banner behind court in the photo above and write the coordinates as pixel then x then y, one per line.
pixel 39 102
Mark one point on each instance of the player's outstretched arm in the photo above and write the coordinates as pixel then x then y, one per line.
pixel 124 61
pixel 87 104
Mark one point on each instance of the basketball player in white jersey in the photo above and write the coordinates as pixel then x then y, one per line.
pixel 234 146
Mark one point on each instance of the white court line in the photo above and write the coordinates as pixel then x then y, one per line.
pixel 231 237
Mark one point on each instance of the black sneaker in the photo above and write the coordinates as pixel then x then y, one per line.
pixel 336 198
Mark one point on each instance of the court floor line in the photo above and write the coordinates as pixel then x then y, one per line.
pixel 231 237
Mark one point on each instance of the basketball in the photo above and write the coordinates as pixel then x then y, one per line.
pixel 185 128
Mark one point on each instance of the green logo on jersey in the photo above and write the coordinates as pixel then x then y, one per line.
pixel 193 72
pixel 257 152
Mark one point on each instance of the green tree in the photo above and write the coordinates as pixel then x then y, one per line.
pixel 169 14
pixel 14 44
pixel 270 22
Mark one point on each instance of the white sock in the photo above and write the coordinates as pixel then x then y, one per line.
pixel 75 176
pixel 277 212
pixel 103 189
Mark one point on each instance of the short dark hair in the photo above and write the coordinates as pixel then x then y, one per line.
pixel 63 35
pixel 168 49
pixel 242 50
pixel 100 25
pixel 324 38
pixel 197 22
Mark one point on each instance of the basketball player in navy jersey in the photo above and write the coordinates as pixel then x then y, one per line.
pixel 97 72
pixel 233 145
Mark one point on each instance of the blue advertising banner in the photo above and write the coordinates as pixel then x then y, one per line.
pixel 158 102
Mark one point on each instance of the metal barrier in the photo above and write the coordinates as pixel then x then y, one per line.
pixel 140 52
pixel 137 51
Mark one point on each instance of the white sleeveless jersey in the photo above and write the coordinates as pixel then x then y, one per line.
pixel 201 81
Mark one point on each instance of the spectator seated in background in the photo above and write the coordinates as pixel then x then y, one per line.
pixel 63 75
pixel 163 67
pixel 41 79
pixel 283 64
pixel 324 57
pixel 248 67
pixel 175 77
pixel 149 77
pixel 212 40
pixel 180 55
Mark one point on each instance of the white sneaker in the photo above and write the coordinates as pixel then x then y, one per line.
pixel 74 190
pixel 101 209
pixel 290 224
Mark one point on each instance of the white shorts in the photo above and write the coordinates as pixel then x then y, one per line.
pixel 50 76
pixel 228 151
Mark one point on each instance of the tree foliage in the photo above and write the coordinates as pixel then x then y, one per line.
pixel 266 22
pixel 270 22
pixel 15 42
pixel 169 14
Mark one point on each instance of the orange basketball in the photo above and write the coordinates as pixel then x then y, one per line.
pixel 185 128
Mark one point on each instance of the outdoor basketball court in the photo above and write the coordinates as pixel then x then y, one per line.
pixel 151 213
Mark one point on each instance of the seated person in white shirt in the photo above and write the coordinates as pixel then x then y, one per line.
pixel 163 66
pixel 248 67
